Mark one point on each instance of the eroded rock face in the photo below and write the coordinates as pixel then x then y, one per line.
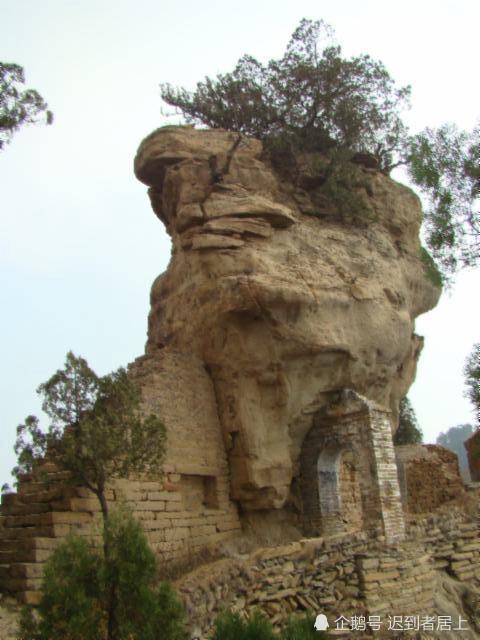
pixel 284 301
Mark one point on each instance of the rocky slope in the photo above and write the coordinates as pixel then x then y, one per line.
pixel 285 298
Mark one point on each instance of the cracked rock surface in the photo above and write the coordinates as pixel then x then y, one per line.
pixel 284 301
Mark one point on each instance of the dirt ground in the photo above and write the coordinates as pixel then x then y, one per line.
pixel 9 612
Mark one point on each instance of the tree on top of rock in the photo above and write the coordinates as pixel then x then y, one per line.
pixel 312 99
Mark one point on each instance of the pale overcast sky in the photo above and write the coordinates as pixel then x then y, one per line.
pixel 79 245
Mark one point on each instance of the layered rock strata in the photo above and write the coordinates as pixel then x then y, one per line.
pixel 285 300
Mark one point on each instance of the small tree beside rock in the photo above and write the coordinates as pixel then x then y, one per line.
pixel 97 433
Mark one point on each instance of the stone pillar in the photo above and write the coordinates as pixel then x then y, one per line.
pixel 386 475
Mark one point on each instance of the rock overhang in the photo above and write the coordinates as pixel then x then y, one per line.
pixel 256 284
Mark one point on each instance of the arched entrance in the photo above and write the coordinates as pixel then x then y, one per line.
pixel 331 496
pixel 348 478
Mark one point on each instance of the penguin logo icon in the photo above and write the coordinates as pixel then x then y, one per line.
pixel 321 623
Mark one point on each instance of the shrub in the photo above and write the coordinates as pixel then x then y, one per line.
pixel 346 188
pixel 169 614
pixel 301 628
pixel 28 628
pixel 71 607
pixel 86 596
pixel 312 98
pixel 230 626
pixel 431 270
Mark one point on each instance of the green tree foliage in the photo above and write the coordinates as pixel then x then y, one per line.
pixel 453 439
pixel 472 380
pixel 72 605
pixel 431 269
pixel 96 430
pixel 302 628
pixel 408 431
pixel 170 614
pixel 18 106
pixel 445 164
pixel 96 433
pixel 78 581
pixel 230 626
pixel 311 99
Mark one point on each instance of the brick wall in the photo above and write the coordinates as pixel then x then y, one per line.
pixel 184 507
pixel 355 432
pixel 429 476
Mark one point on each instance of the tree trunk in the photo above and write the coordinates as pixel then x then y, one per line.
pixel 111 602
pixel 103 505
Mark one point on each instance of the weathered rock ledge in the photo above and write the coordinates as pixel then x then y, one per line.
pixel 285 309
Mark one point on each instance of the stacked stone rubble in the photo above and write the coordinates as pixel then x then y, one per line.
pixel 453 543
pixel 346 576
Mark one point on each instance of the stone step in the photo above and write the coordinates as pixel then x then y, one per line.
pixel 16 585
pixel 24 555
pixel 22 532
pixel 26 570
pixel 19 508
pixel 48 518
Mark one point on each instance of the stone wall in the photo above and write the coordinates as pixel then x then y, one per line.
pixel 429 476
pixel 184 507
pixel 178 523
pixel 350 491
pixel 453 542
pixel 345 575
pixel 354 431
pixel 189 507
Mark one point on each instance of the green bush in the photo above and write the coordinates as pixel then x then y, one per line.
pixel 169 614
pixel 301 628
pixel 89 596
pixel 28 628
pixel 346 188
pixel 128 573
pixel 310 99
pixel 230 626
pixel 71 607
pixel 431 270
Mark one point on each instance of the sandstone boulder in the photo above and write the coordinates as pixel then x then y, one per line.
pixel 286 302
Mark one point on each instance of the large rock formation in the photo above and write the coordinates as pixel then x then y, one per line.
pixel 285 299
